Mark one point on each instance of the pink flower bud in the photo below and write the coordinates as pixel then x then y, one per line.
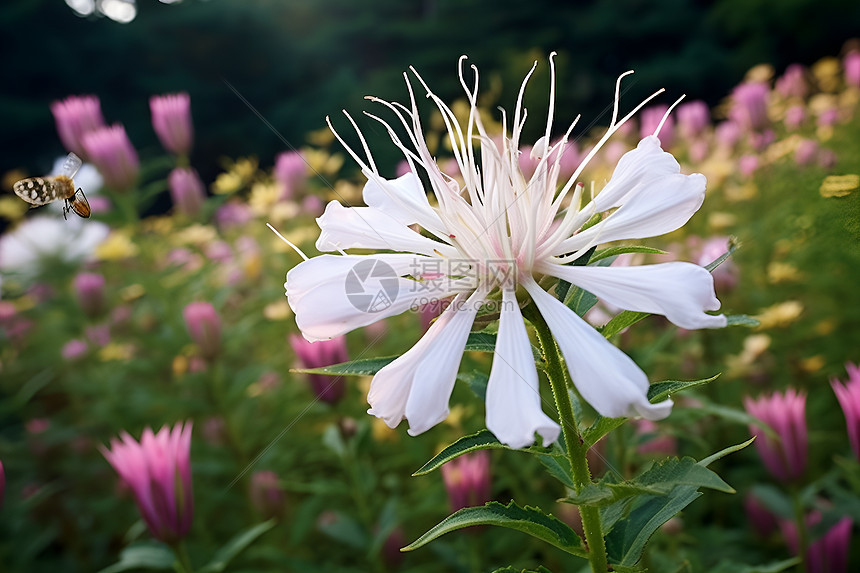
pixel 795 116
pixel 232 214
pixel 98 334
pixel 806 152
pixel 693 118
pixel 267 495
pixel 158 471
pixel 747 165
pixel 827 554
pixel 749 106
pixel 113 154
pixel 76 116
pixel 851 64
pixel 652 441
pixel 74 349
pixel 291 172
pixel 651 118
pixel 186 191
pixel 467 479
pixel 171 120
pixel 793 82
pixel 728 133
pixel 785 413
pixel 848 394
pixel 90 291
pixel 204 326
pixel 329 389
pixel 763 522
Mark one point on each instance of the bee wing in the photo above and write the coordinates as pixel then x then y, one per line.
pixel 71 165
pixel 37 190
pixel 79 204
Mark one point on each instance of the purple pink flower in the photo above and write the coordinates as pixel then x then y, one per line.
pixel 848 394
pixel 467 480
pixel 76 116
pixel 113 154
pixel 749 106
pixel 90 292
pixel 317 355
pixel 650 120
pixel 267 495
pixel 204 327
pixel 158 471
pixel 693 118
pixel 171 120
pixel 290 172
pixel 829 553
pixel 851 64
pixel 785 455
pixel 186 191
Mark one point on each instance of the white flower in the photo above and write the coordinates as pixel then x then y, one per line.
pixel 500 231
pixel 42 240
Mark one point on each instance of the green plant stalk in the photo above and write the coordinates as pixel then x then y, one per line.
pixel 802 533
pixel 183 561
pixel 576 448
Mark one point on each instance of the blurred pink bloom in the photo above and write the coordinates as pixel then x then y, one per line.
pixel 390 551
pixel 402 168
pixel 232 214
pixel 848 394
pixel 204 327
pixel 747 165
pixel 7 312
pixel 828 554
pixel 291 172
pixel 759 140
pixel 652 441
pixel 329 389
pixel 90 292
pixel 693 118
pixel 185 258
pixel 806 152
pixel 795 116
pixel 851 63
pixel 728 133
pixel 267 495
pixel 467 479
pixel 569 160
pixel 74 349
pixel 76 116
pixel 98 334
pixel 725 275
pixel 650 118
pixel 158 471
pixel 698 150
pixel 214 431
pixel 312 205
pixel 763 522
pixel 113 154
pixel 219 252
pixel 785 413
pixel 37 426
pixel 828 116
pixel 827 158
pixel 749 106
pixel 429 311
pixel 99 204
pixel 171 120
pixel 793 82
pixel 186 190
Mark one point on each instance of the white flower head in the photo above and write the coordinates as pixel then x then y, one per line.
pixel 495 231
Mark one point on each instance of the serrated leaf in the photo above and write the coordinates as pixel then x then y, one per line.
pixel 621 321
pixel 235 546
pixel 724 452
pixel 482 440
pixel 603 494
pixel 741 320
pixel 558 466
pixel 512 569
pixel 477 382
pixel 659 391
pixel 530 520
pixel 145 555
pixel 672 472
pixel 599 428
pixel 481 342
pixel 735 415
pixel 362 367
pixel 615 251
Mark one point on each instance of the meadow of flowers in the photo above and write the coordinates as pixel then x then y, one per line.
pixel 164 405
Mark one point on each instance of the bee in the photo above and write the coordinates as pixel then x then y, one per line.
pixel 43 190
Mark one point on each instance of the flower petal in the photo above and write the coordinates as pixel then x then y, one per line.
pixel 664 205
pixel 636 169
pixel 681 292
pixel 333 294
pixel 514 411
pixel 404 199
pixel 606 377
pixel 418 384
pixel 371 228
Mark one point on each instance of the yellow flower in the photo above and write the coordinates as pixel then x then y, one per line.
pixel 263 197
pixel 779 315
pixel 116 247
pixel 114 351
pixel 839 185
pixel 812 364
pixel 322 161
pixel 826 72
pixel 760 73
pixel 196 235
pixel 132 292
pixel 778 272
pixel 279 310
pixel 12 208
pixel 227 183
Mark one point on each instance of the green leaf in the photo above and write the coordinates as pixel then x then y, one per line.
pixel 345 529
pixel 672 472
pixel 659 391
pixel 741 320
pixel 529 520
pixel 603 494
pixel 477 382
pixel 482 440
pixel 724 452
pixel 621 321
pixel 235 546
pixel 562 287
pixel 734 415
pixel 599 428
pixel 579 300
pixel 558 466
pixel 362 367
pixel 481 342
pixel 145 555
pixel 615 251
pixel 512 569
pixel 733 246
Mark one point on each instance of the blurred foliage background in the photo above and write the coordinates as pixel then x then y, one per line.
pixel 297 61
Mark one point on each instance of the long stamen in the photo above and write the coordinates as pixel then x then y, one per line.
pixel 666 115
pixel 287 241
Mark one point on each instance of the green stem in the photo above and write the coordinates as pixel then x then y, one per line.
pixel 183 561
pixel 802 533
pixel 576 448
